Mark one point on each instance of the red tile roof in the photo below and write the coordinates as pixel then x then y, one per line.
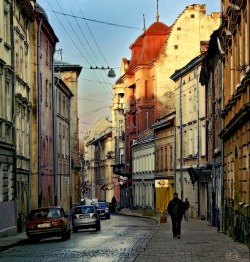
pixel 148 46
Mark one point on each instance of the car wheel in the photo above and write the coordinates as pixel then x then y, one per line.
pixel 75 230
pixel 64 235
pixel 98 227
pixel 108 216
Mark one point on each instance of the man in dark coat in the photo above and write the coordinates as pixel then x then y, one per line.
pixel 176 209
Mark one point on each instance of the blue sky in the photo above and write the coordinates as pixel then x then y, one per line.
pixel 99 33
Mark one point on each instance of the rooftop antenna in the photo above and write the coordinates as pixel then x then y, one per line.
pixel 59 51
pixel 144 26
pixel 157 15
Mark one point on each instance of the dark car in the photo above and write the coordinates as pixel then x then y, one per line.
pixel 103 209
pixel 48 222
pixel 85 216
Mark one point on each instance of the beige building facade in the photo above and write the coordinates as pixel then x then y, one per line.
pixel 99 158
pixel 191 179
pixel 164 173
pixel 143 163
pixel 191 27
pixel 23 15
pixel 236 117
pixel 69 74
pixel 7 138
pixel 63 177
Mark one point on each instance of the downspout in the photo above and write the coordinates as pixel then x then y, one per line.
pixel 70 156
pixel 13 117
pixel 175 158
pixel 198 135
pixel 222 157
pixel 54 94
pixel 181 141
pixel 39 114
pixel 213 158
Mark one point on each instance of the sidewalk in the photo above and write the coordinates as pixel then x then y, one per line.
pixel 199 242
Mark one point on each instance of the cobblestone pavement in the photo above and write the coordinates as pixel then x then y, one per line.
pixel 199 242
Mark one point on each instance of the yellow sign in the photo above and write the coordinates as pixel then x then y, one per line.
pixel 162 183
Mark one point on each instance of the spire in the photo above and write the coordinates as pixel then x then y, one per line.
pixel 144 26
pixel 157 15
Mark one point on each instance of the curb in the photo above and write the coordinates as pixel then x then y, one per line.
pixel 14 244
pixel 142 244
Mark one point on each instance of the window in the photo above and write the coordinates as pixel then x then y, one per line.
pixel 8 94
pixel 147 122
pixel 50 96
pixel 203 140
pixel 64 106
pixel 46 90
pixel 6 24
pixel 171 158
pixel 47 51
pixel 59 102
pixel 21 62
pixel 63 142
pixel 147 89
pixel 190 141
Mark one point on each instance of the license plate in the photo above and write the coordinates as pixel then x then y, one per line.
pixel 83 216
pixel 44 225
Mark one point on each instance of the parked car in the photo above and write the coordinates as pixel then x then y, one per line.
pixel 48 222
pixel 103 209
pixel 85 216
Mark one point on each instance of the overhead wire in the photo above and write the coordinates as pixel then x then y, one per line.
pixel 92 36
pixel 82 44
pixel 97 21
pixel 90 47
pixel 70 37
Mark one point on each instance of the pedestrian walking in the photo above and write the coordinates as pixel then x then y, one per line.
pixel 187 207
pixel 113 204
pixel 176 208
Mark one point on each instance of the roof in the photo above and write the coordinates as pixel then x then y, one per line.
pixel 148 46
pixel 189 66
pixel 60 65
pixel 38 8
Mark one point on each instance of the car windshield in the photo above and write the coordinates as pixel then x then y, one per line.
pixel 84 209
pixel 44 213
pixel 102 204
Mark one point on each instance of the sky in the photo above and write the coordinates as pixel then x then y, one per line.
pixel 98 33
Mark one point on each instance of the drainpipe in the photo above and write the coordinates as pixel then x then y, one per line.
pixel 70 156
pixel 198 135
pixel 13 112
pixel 54 107
pixel 181 141
pixel 39 114
pixel 222 207
pixel 213 158
pixel 175 158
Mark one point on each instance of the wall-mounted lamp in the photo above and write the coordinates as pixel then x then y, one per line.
pixel 227 32
pixel 235 7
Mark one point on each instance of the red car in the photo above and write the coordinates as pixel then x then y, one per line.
pixel 48 222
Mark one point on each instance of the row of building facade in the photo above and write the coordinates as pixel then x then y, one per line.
pixel 180 120
pixel 39 145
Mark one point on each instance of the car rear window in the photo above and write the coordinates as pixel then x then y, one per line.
pixel 84 209
pixel 43 213
pixel 102 205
